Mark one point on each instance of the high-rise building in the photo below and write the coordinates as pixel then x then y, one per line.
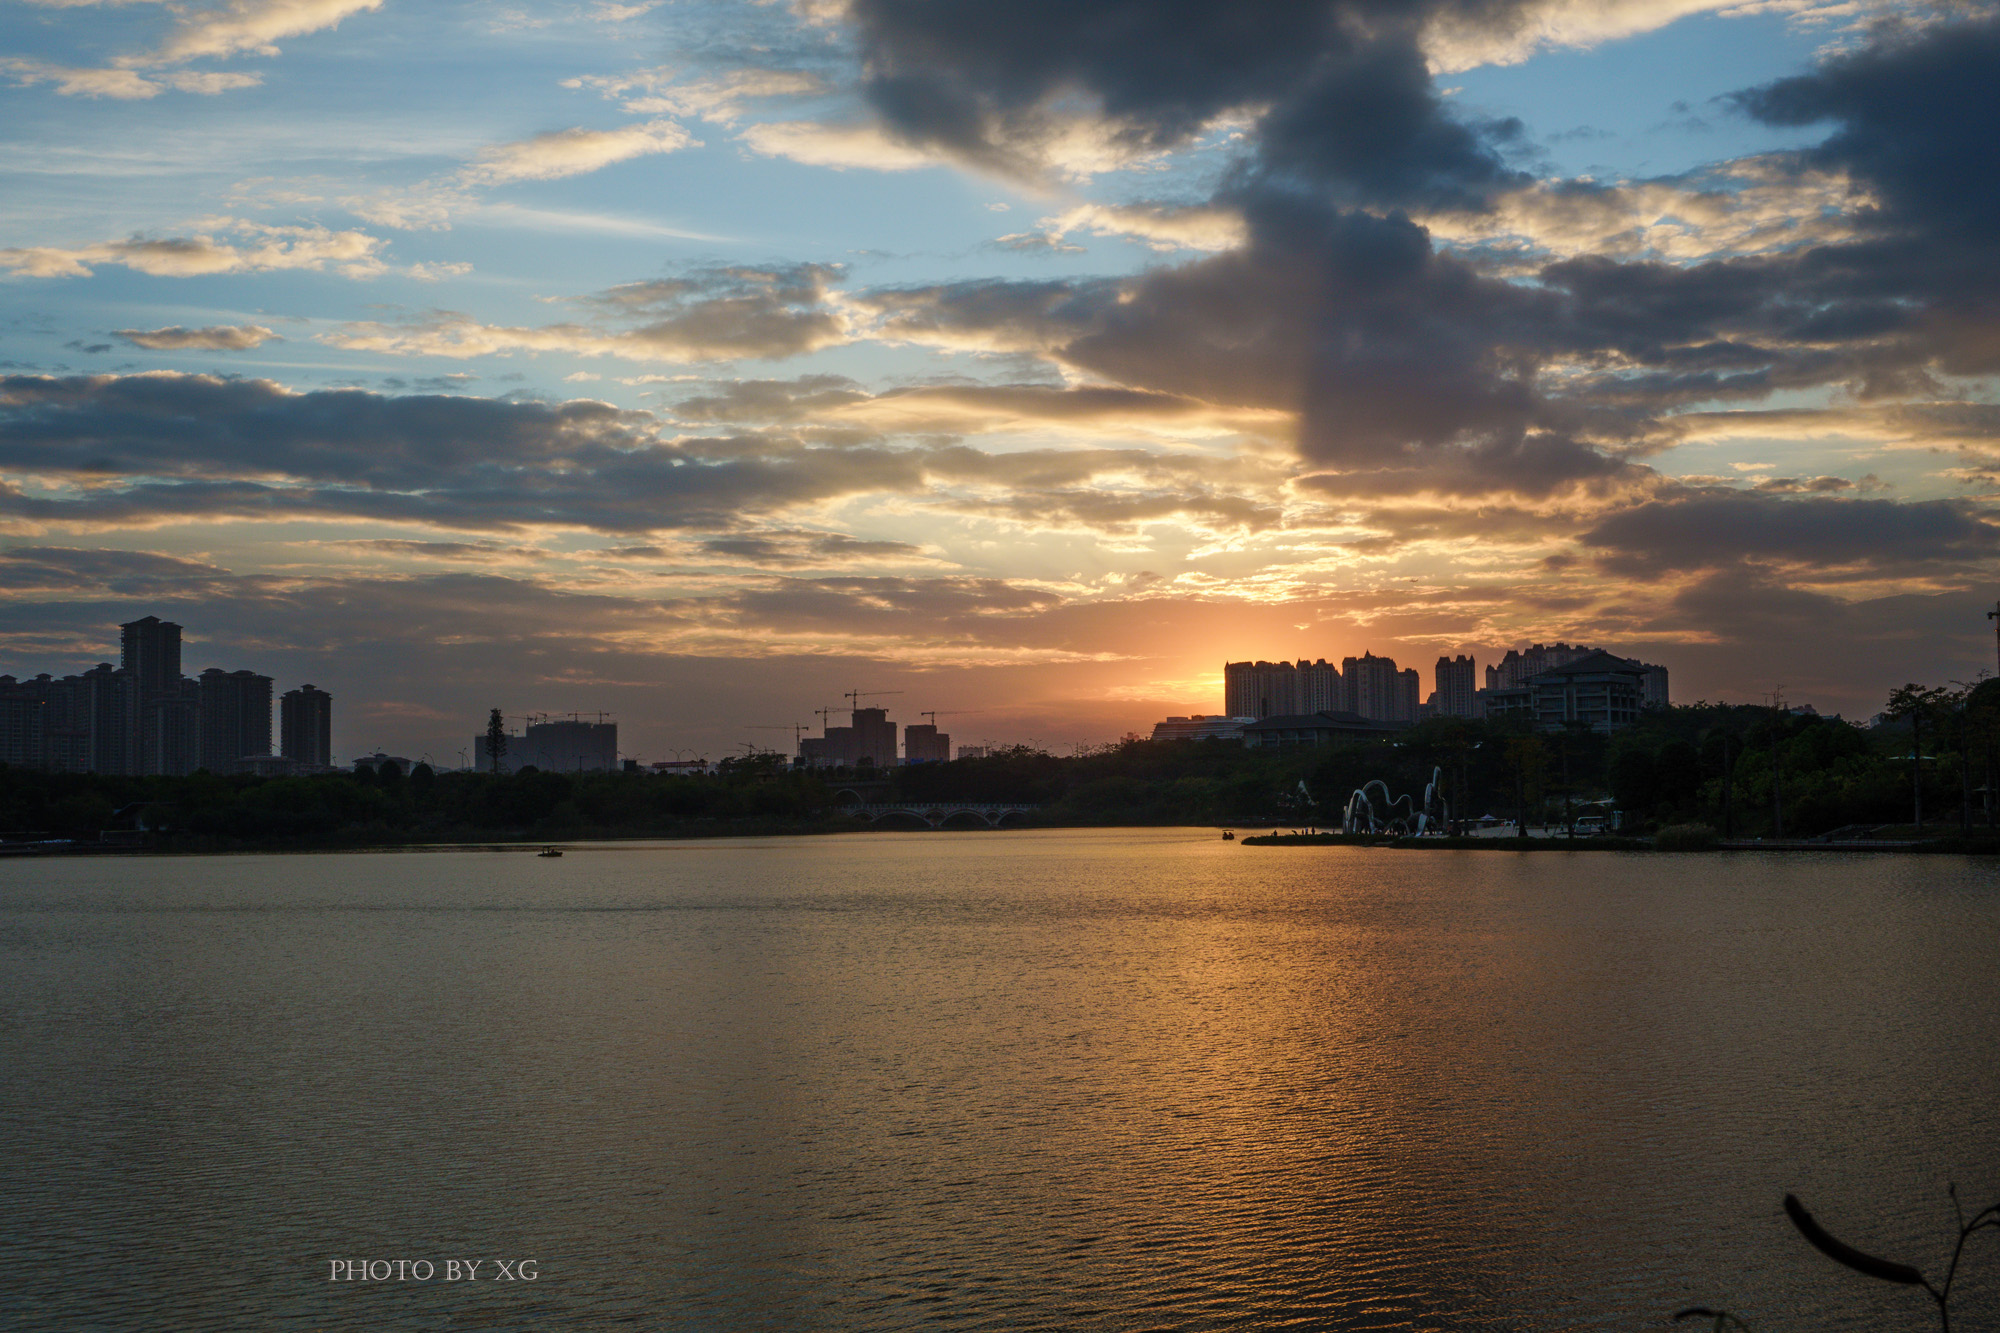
pixel 150 648
pixel 869 742
pixel 305 727
pixel 1319 686
pixel 1518 667
pixel 150 653
pixel 1597 690
pixel 1457 690
pixel 925 744
pixel 1374 688
pixel 235 718
pixel 66 731
pixel 874 738
pixel 571 745
pixel 1260 689
pixel 1654 689
pixel 556 744
pixel 142 717
pixel 172 724
pixel 24 722
pixel 99 721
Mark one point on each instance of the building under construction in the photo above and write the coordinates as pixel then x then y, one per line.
pixel 869 742
pixel 564 743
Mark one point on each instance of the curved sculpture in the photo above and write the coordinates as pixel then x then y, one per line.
pixel 1434 816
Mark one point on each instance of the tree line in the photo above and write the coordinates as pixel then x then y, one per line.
pixel 1925 767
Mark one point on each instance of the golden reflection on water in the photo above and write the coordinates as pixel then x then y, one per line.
pixel 1084 1079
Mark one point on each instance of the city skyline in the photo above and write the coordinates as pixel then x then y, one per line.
pixel 697 362
pixel 1369 686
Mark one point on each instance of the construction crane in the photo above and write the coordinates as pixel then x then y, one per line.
pixel 935 714
pixel 854 697
pixel 798 729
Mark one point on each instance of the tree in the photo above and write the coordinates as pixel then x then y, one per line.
pixel 1914 703
pixel 496 740
pixel 1528 760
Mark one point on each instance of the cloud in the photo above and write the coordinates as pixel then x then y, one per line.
pixel 253 26
pixel 573 152
pixel 246 247
pixel 705 315
pixel 1340 92
pixel 235 28
pixel 1898 105
pixel 215 338
pixel 1458 39
pixel 764 401
pixel 69 571
pixel 1819 537
pixel 793 549
pixel 1036 242
pixel 719 98
pixel 835 145
pixel 1159 226
pixel 123 84
pixel 141 450
pixel 478 553
pixel 605 12
pixel 1751 206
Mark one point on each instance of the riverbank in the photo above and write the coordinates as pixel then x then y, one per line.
pixel 1955 844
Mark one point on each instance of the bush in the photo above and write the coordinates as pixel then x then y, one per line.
pixel 1685 838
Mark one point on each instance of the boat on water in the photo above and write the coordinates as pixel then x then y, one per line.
pixel 1229 835
pixel 550 851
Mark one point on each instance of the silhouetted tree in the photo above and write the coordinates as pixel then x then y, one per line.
pixel 1915 703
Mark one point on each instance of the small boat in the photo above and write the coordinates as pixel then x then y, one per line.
pixel 1229 835
pixel 550 851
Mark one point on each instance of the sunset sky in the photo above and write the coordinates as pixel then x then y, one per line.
pixel 699 362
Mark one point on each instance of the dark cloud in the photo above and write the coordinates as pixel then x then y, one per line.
pixel 1720 529
pixel 1411 369
pixel 1408 368
pixel 74 570
pixel 167 425
pixel 469 552
pixel 781 549
pixel 143 449
pixel 1345 94
pixel 770 400
pixel 1369 127
pixel 730 311
pixel 968 609
pixel 1913 113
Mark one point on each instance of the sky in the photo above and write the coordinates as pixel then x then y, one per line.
pixel 1020 360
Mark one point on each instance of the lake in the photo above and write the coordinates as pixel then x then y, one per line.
pixel 1070 1079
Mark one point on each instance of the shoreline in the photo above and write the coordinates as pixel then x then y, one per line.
pixel 1952 843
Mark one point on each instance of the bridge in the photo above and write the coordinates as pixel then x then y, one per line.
pixel 941 814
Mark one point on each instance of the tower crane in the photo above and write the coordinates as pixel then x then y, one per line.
pixel 798 729
pixel 935 714
pixel 854 697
